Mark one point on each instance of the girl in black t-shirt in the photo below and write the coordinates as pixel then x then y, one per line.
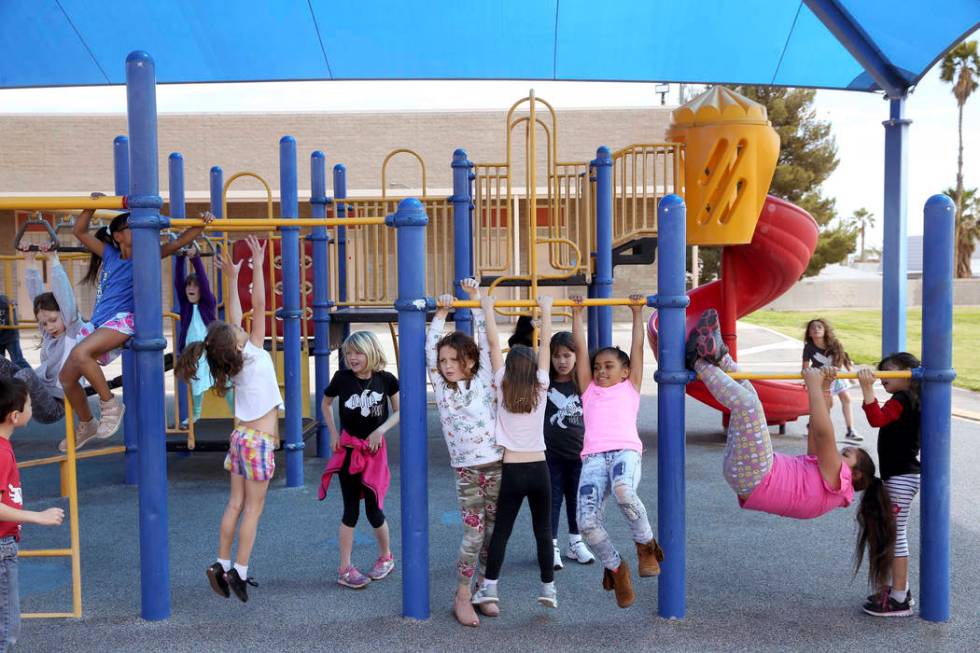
pixel 822 348
pixel 563 434
pixel 360 456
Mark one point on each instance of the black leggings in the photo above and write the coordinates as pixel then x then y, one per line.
pixel 517 481
pixel 565 473
pixel 351 489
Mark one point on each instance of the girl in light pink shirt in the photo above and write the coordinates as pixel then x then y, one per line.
pixel 611 453
pixel 802 487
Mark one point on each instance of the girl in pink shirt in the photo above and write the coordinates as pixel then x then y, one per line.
pixel 802 487
pixel 611 453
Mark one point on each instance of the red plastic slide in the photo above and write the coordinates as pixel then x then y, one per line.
pixel 752 276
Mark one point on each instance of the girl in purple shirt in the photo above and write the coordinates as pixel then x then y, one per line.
pixel 802 487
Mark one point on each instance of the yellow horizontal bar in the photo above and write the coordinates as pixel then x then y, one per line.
pixel 79 455
pixel 267 224
pixel 797 376
pixel 530 303
pixel 45 553
pixel 49 615
pixel 38 203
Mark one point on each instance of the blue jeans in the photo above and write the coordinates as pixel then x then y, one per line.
pixel 617 472
pixel 9 595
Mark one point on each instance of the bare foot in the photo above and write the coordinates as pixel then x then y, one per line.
pixel 464 612
pixel 489 609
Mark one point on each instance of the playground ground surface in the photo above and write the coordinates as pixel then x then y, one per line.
pixel 754 582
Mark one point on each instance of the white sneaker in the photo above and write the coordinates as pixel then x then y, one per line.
pixel 111 417
pixel 557 556
pixel 549 595
pixel 578 551
pixel 84 433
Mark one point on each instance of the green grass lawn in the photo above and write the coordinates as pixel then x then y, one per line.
pixel 860 331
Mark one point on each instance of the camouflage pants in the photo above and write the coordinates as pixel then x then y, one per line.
pixel 477 489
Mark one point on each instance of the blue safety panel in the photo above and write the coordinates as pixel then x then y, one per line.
pixel 786 42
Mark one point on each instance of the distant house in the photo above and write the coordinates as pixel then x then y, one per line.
pixel 915 257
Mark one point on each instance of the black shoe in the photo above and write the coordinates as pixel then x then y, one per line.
pixel 888 607
pixel 876 597
pixel 239 586
pixel 216 576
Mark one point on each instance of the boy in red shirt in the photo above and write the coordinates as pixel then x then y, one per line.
pixel 15 411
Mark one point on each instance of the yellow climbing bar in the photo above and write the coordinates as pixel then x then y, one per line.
pixel 797 376
pixel 40 203
pixel 267 224
pixel 530 303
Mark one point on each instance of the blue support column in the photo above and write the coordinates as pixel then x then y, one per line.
pixel 894 251
pixel 603 278
pixel 937 377
pixel 321 298
pixel 340 208
pixel 462 200
pixel 672 377
pixel 216 190
pixel 178 209
pixel 291 313
pixel 410 221
pixel 130 375
pixel 148 343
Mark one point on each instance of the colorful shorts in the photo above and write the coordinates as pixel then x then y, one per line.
pixel 839 386
pixel 251 454
pixel 121 322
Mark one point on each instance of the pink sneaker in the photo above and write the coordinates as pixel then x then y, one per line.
pixel 352 578
pixel 84 433
pixel 111 417
pixel 382 567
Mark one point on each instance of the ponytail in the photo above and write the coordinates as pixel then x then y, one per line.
pixel 186 366
pixel 876 524
pixel 95 261
pixel 220 345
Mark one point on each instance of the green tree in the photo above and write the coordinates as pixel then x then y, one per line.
pixel 967 228
pixel 961 68
pixel 860 220
pixel 807 157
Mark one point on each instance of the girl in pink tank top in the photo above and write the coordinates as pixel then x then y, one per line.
pixel 802 487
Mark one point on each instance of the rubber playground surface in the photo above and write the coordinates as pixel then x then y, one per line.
pixel 755 582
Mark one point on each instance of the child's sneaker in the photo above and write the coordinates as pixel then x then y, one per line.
pixel 352 578
pixel 886 606
pixel 216 577
pixel 852 436
pixel 556 554
pixel 709 344
pixel 383 566
pixel 110 418
pixel 577 550
pixel 485 594
pixel 238 585
pixel 549 595
pixel 84 433
pixel 876 597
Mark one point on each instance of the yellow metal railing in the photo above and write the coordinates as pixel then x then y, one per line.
pixel 642 175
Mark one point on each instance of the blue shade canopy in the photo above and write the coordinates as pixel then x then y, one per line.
pixel 863 45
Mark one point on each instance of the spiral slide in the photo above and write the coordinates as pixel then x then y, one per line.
pixel 753 275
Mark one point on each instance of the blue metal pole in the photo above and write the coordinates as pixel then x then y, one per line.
pixel 894 254
pixel 671 302
pixel 937 377
pixel 410 221
pixel 603 278
pixel 148 343
pixel 340 206
pixel 216 190
pixel 462 200
pixel 178 209
pixel 321 298
pixel 291 313
pixel 130 377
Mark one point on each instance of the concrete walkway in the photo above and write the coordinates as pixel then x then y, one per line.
pixel 755 582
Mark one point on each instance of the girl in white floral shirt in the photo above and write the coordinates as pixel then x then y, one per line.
pixel 460 372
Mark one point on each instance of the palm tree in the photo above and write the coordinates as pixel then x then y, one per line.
pixel 961 68
pixel 967 229
pixel 861 219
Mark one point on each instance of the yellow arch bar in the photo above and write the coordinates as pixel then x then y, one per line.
pixel 38 203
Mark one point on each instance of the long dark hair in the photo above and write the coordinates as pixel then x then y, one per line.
pixel 876 523
pixel 224 357
pixel 832 345
pixel 566 340
pixel 104 234
pixel 523 333
pixel 903 360
pixel 520 385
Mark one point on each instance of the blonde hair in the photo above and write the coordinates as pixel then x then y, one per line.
pixel 365 342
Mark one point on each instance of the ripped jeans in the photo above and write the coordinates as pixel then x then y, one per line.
pixel 617 472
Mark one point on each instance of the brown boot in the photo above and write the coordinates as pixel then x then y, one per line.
pixel 623 585
pixel 607 580
pixel 649 556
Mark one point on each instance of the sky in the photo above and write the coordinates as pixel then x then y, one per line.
pixel 855 117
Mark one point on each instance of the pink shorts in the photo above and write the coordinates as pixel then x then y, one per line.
pixel 251 454
pixel 121 322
